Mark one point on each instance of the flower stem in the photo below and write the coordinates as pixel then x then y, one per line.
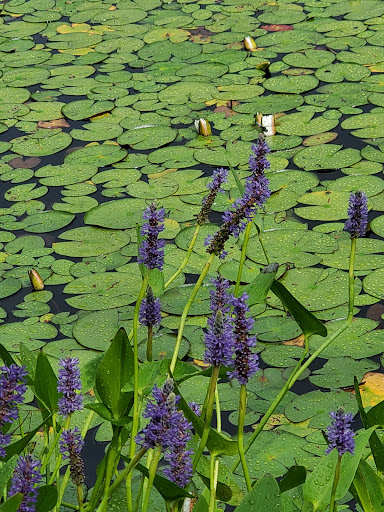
pixel 240 434
pixel 243 256
pixel 186 259
pixel 213 474
pixel 149 342
pixel 332 506
pixel 135 421
pixel 351 276
pixel 187 307
pixel 151 476
pixel 58 460
pixel 208 415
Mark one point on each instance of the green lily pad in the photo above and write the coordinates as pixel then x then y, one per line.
pixel 84 109
pixel 316 406
pixel 340 371
pixel 317 288
pixel 105 290
pixel 309 59
pixel 32 335
pixel 329 156
pixel 303 123
pixel 148 137
pixel 100 155
pixel 119 214
pixel 365 125
pixel 90 241
pixel 44 222
pixel 291 84
pixel 66 174
pixel 41 143
pixel 96 330
pixel 271 104
pixel 342 71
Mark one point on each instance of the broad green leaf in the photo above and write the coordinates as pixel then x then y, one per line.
pixel 368 488
pixel 46 498
pixel 12 504
pixel 46 383
pixel 114 372
pixel 318 486
pixel 307 321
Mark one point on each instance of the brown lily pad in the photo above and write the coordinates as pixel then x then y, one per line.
pixel 55 123
pixel 24 163
pixel 320 138
pixel 277 27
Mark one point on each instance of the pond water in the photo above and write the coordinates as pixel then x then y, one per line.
pixel 98 102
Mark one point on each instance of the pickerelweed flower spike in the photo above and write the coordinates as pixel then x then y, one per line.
pixel 219 177
pixel 219 339
pixel 339 435
pixel 357 221
pixel 69 385
pixel 12 388
pixel 26 477
pixel 150 308
pixel 169 429
pixel 71 444
pixel 246 361
pixel 151 250
pixel 256 193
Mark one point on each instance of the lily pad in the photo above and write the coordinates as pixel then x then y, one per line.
pixel 41 143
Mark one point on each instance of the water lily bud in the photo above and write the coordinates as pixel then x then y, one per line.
pixel 203 127
pixel 250 44
pixel 36 281
pixel 263 65
pixel 267 123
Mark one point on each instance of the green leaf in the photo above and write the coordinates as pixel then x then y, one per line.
pixel 6 472
pixel 265 495
pixel 257 290
pixel 6 356
pixel 46 498
pixel 114 373
pixel 368 488
pixel 318 486
pixel 12 505
pixel 294 477
pixel 216 442
pixel 307 321
pixel 46 383
pixel 101 410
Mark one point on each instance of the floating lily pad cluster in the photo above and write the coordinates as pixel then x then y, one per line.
pixel 97 108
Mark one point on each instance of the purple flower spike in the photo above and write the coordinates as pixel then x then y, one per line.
pixel 195 408
pixel 12 388
pixel 150 308
pixel 246 361
pixel 71 444
pixel 151 252
pixel 180 466
pixel 256 193
pixel 339 435
pixel 357 221
pixel 219 338
pixel 69 384
pixel 25 479
pixel 219 177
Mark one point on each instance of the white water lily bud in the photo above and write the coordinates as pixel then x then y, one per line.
pixel 203 127
pixel 250 44
pixel 266 122
pixel 36 281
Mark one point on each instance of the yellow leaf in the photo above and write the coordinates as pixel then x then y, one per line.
pixel 372 388
pixel 77 51
pixel 377 68
pixel 161 174
pixel 75 27
pixel 296 342
pixel 99 116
